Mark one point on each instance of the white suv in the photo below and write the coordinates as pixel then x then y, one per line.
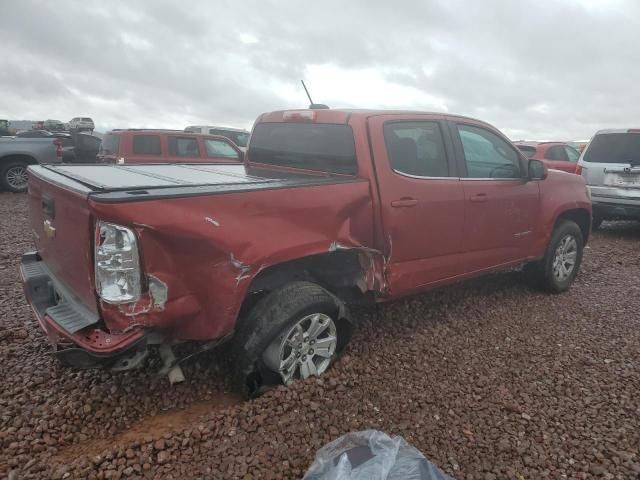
pixel 80 124
pixel 610 165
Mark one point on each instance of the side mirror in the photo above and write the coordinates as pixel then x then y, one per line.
pixel 537 170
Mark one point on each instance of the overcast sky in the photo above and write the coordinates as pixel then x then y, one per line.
pixel 535 69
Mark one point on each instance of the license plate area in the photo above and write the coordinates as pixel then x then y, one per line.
pixel 622 180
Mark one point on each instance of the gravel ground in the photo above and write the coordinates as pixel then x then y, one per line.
pixel 488 379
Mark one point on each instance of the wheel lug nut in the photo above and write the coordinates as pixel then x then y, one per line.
pixel 304 357
pixel 311 352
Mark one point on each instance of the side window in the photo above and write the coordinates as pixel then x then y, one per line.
pixel 218 148
pixel 183 147
pixel 556 153
pixel 572 154
pixel 146 145
pixel 487 155
pixel 416 148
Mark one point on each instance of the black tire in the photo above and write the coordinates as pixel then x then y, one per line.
pixel 274 314
pixel 597 222
pixel 9 173
pixel 543 272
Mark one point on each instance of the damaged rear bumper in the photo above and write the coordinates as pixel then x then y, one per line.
pixel 72 329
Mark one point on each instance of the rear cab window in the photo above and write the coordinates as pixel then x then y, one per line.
pixel 557 152
pixel 324 147
pixel 183 146
pixel 623 147
pixel 146 145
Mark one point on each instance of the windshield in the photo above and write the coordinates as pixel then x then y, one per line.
pixel 614 148
pixel 239 138
pixel 312 146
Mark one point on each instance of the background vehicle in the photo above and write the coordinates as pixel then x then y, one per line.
pixel 610 165
pixel 54 125
pixel 81 124
pixel 16 154
pixel 556 155
pixel 238 136
pixel 165 146
pixel 330 207
pixel 34 134
pixel 4 127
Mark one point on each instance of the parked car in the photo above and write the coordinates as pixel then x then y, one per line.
pixel 610 165
pixel 34 134
pixel 556 155
pixel 79 147
pixel 331 207
pixel 4 128
pixel 81 124
pixel 16 154
pixel 165 146
pixel 238 136
pixel 53 125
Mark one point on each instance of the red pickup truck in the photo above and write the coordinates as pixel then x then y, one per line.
pixel 330 207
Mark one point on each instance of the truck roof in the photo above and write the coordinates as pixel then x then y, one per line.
pixel 343 115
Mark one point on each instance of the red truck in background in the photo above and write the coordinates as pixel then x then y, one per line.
pixel 556 155
pixel 330 207
pixel 136 145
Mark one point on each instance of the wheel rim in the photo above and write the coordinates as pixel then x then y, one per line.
pixel 305 350
pixel 17 177
pixel 564 261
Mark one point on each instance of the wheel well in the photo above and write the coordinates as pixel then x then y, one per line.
pixel 581 217
pixel 339 272
pixel 19 158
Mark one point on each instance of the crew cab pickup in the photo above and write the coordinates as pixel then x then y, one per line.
pixel 331 207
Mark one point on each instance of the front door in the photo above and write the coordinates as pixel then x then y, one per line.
pixel 422 200
pixel 500 205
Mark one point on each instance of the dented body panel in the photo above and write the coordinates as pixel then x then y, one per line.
pixel 211 236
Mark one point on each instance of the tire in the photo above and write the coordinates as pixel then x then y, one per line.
pixel 554 272
pixel 259 343
pixel 13 176
pixel 596 222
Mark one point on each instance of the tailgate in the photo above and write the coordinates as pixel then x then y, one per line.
pixel 62 225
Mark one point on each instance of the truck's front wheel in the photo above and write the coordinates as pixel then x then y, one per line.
pixel 293 333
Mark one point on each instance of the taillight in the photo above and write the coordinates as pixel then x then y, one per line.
pixel 578 169
pixel 117 263
pixel 58 143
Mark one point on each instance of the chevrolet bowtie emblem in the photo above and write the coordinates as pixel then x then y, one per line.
pixel 49 229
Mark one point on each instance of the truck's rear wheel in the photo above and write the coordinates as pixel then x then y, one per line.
pixel 561 262
pixel 293 333
pixel 13 176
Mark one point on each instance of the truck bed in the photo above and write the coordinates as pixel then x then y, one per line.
pixel 116 183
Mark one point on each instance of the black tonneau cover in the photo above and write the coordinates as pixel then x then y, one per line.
pixel 116 183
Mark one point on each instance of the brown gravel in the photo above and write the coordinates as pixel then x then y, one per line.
pixel 488 379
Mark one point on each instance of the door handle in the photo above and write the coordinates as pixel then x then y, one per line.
pixel 404 202
pixel 479 197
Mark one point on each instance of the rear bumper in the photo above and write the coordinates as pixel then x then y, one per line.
pixel 74 331
pixel 613 207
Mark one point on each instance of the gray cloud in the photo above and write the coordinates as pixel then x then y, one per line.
pixel 536 69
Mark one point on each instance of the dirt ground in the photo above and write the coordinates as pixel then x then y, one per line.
pixel 489 380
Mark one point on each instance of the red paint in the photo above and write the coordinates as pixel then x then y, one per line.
pixel 126 149
pixel 547 152
pixel 412 233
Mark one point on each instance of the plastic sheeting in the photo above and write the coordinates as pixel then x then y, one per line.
pixel 371 455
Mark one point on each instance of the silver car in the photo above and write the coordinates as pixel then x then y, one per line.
pixel 610 165
pixel 80 124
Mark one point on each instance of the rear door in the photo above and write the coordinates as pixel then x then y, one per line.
pixel 422 201
pixel 184 149
pixel 500 206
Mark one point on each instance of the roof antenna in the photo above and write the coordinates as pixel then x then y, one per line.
pixel 313 106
